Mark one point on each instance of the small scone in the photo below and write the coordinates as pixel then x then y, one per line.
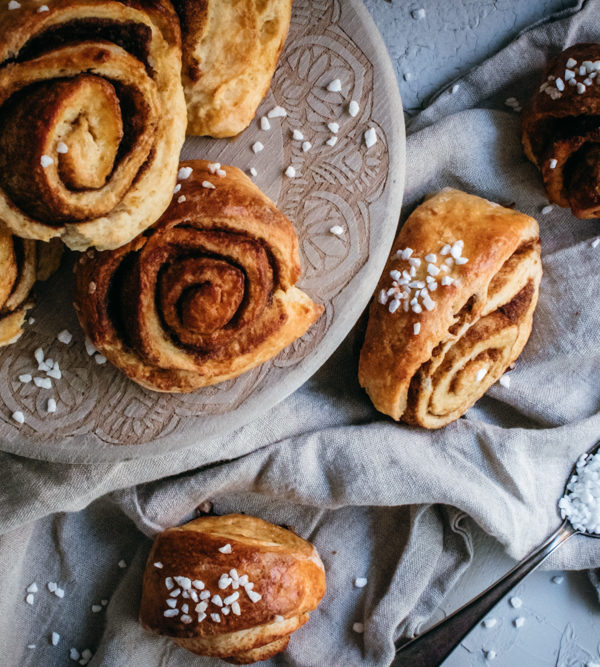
pixel 230 52
pixel 561 130
pixel 232 587
pixel 453 308
pixel 205 294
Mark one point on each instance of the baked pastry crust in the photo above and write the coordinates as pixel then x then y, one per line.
pixel 561 130
pixel 285 570
pixel 22 263
pixel 205 294
pixel 230 52
pixel 92 118
pixel 477 325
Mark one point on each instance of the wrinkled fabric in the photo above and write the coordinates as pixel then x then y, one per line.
pixel 378 499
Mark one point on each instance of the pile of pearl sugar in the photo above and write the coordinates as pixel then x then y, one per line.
pixel 581 503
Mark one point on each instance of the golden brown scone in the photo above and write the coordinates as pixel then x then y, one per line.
pixel 438 337
pixel 232 587
pixel 204 295
pixel 92 118
pixel 230 51
pixel 22 262
pixel 561 130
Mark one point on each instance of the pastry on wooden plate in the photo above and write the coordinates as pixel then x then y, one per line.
pixel 561 129
pixel 453 308
pixel 92 118
pixel 22 263
pixel 232 587
pixel 230 52
pixel 205 294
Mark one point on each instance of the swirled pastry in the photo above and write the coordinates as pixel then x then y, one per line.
pixel 22 263
pixel 561 130
pixel 230 51
pixel 92 118
pixel 453 308
pixel 205 294
pixel 233 587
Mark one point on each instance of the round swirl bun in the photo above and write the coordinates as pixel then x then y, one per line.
pixel 428 361
pixel 22 262
pixel 232 587
pixel 205 294
pixel 92 119
pixel 561 130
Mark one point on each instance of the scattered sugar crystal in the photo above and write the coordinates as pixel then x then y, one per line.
pixel 96 608
pixel 489 654
pixel 61 147
pixel 490 623
pixel 25 378
pixel 89 348
pixel 184 173
pixel 100 359
pixel 13 4
pixel 122 564
pixel 43 8
pixel 253 595
pixel 225 549
pixel 177 188
pixel 265 124
pixel 181 199
pixel 59 592
pixel 208 185
pixel 257 146
pixel 505 381
pixel 519 622
pixel 290 172
pixel 547 209
pixel 158 565
pixel 334 86
pixel 253 172
pixel 515 602
pixel 334 128
pixel 306 146
pixel 32 588
pixel 19 417
pixel 170 613
pixel 358 628
pixel 29 598
pixel 297 135
pixel 481 373
pixel 336 230
pixel 455 88
pixel 55 638
pixel 277 112
pixel 370 137
pixel 213 167
pixel 353 108
pixel 418 14
pixel 332 141
pixel 416 328
pixel 360 582
pixel 557 579
pixel 595 243
pixel 552 164
pixel 74 654
pixel 39 355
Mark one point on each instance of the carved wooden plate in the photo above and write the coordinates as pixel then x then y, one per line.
pixel 101 415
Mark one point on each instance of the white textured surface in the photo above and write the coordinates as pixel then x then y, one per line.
pixel 453 36
pixel 562 621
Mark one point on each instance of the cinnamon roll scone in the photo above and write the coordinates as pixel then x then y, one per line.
pixel 92 118
pixel 230 52
pixel 453 308
pixel 205 294
pixel 561 130
pixel 22 263
pixel 233 587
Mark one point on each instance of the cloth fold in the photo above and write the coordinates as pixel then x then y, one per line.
pixel 379 500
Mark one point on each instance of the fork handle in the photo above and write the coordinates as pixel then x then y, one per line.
pixel 432 647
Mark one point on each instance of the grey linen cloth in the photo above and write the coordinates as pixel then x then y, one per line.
pixel 379 500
